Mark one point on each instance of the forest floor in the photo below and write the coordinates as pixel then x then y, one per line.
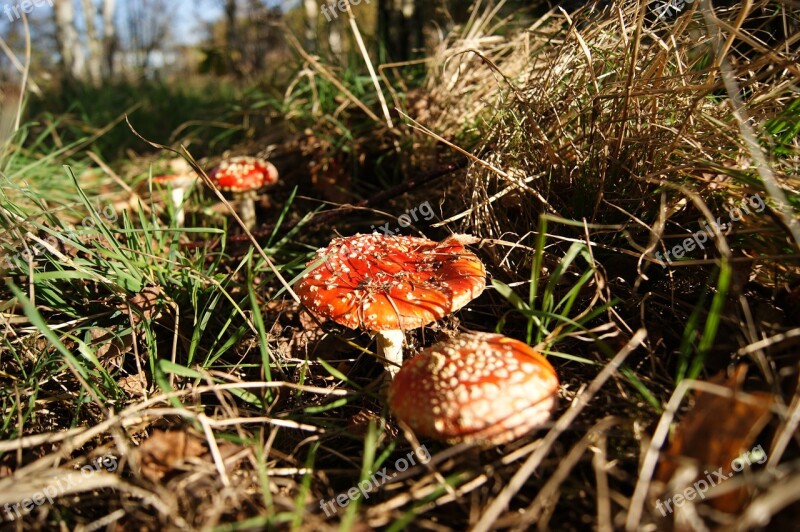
pixel 632 186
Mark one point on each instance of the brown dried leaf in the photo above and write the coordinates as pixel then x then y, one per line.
pixel 7 465
pixel 146 305
pixel 109 348
pixel 133 385
pixel 717 430
pixel 164 451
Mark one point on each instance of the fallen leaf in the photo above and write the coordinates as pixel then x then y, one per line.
pixel 164 451
pixel 717 430
pixel 146 304
pixel 110 349
pixel 133 385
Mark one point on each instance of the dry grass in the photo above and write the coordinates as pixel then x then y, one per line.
pixel 596 141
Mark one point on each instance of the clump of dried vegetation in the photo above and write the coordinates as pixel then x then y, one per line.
pixel 595 140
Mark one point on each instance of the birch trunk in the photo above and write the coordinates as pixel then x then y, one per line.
pixel 312 14
pixel 95 45
pixel 69 44
pixel 109 36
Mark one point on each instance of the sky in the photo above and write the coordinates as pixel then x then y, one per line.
pixel 191 14
pixel 188 16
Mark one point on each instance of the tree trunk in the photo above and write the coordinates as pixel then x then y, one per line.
pixel 69 45
pixel 335 40
pixel 312 14
pixel 109 37
pixel 400 24
pixel 147 23
pixel 230 35
pixel 95 45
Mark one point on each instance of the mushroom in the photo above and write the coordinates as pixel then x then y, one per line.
pixel 243 177
pixel 386 284
pixel 478 388
pixel 178 184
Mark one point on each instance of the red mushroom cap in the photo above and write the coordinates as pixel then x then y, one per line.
pixel 243 174
pixel 382 282
pixel 481 388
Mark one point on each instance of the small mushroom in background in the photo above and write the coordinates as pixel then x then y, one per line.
pixel 388 284
pixel 178 185
pixel 479 388
pixel 244 177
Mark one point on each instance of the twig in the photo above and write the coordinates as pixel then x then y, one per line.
pixel 19 66
pixel 363 49
pixel 327 75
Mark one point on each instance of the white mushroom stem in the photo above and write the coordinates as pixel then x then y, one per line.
pixel 247 209
pixel 390 347
pixel 178 194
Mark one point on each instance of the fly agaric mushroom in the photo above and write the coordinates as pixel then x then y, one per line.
pixel 178 184
pixel 477 388
pixel 243 177
pixel 387 284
